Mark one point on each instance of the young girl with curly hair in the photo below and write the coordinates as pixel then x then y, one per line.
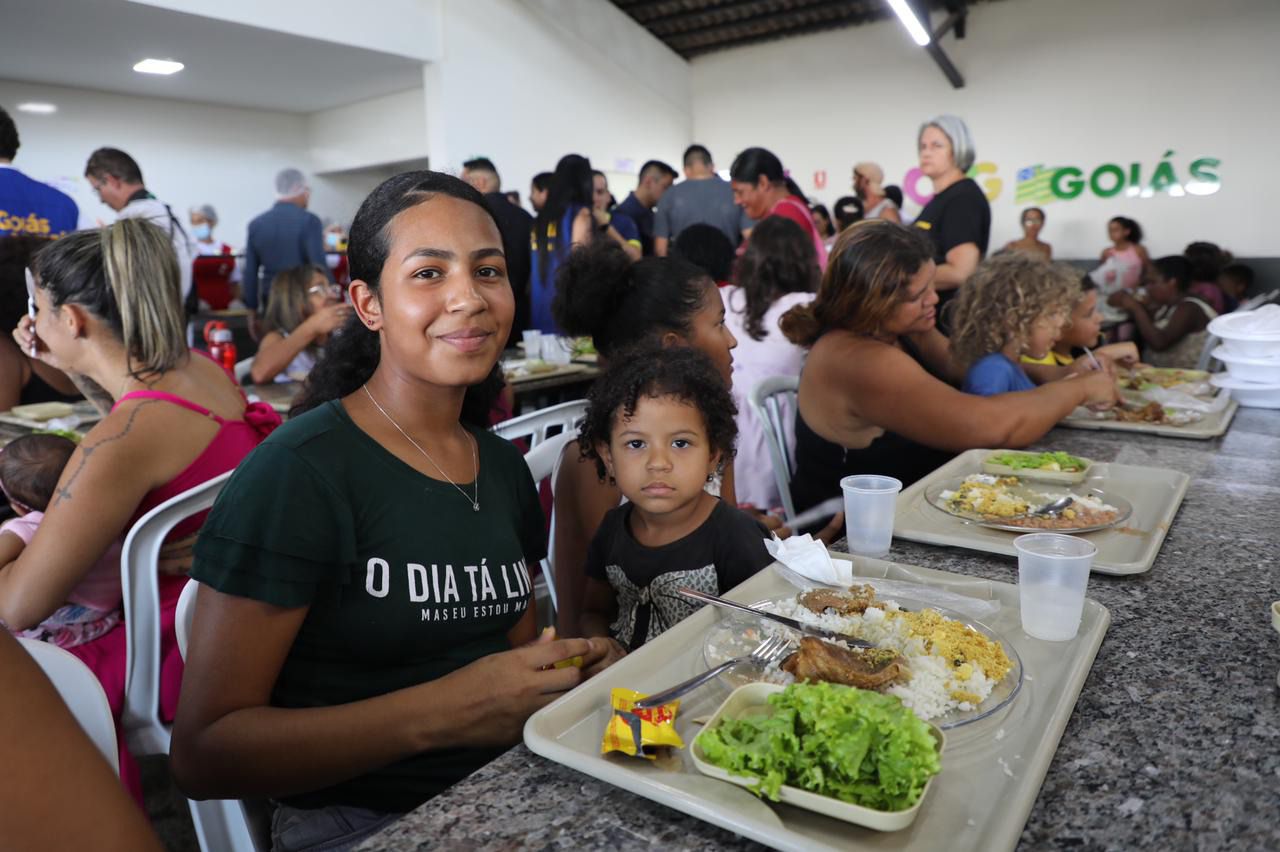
pixel 659 425
pixel 1014 305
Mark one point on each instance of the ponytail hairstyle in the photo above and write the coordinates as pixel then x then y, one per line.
pixel 351 356
pixel 600 292
pixel 779 259
pixel 126 275
pixel 868 275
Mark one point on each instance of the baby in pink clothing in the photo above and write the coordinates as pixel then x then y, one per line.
pixel 30 467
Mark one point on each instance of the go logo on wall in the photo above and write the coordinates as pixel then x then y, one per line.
pixel 1040 185
pixel 984 173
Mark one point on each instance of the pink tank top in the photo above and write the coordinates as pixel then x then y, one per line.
pixel 235 440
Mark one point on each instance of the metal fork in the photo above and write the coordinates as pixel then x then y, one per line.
pixel 773 648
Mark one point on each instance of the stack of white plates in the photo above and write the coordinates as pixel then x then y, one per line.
pixel 1251 352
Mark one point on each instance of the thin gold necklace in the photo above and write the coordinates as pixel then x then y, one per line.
pixel 475 464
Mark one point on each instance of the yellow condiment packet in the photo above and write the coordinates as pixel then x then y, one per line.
pixel 639 732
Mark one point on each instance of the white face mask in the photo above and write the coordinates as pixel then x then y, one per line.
pixel 202 232
pixel 331 240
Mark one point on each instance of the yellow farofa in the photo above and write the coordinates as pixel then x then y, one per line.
pixel 957 644
pixel 991 500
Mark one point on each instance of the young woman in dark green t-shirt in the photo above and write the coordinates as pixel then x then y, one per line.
pixel 366 582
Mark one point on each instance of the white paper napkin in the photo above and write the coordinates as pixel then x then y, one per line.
pixel 807 557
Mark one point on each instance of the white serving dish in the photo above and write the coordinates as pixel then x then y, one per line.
pixel 1240 334
pixel 1249 394
pixel 1266 370
pixel 754 698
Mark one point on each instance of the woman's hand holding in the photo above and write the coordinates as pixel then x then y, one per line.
pixel 328 318
pixel 501 691
pixel 1100 390
pixel 33 347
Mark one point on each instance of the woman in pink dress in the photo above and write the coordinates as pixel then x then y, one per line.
pixel 761 188
pixel 109 314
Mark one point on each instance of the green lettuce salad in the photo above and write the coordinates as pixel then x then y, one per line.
pixel 851 744
pixel 1039 461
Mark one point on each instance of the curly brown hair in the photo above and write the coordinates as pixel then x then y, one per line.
pixel 1003 299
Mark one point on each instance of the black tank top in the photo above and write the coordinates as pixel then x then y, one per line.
pixel 38 390
pixel 821 464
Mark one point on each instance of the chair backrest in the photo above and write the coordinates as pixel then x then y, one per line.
pixel 183 614
pixel 1206 354
pixel 80 691
pixel 767 401
pixel 543 461
pixel 140 580
pixel 243 366
pixel 540 425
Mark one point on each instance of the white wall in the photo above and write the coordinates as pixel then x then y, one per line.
pixel 189 153
pixel 389 129
pixel 526 81
pixel 1059 84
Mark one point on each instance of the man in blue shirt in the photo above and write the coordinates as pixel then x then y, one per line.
pixel 656 178
pixel 282 238
pixel 29 207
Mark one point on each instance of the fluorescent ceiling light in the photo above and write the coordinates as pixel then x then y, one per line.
pixel 158 66
pixel 910 21
pixel 40 109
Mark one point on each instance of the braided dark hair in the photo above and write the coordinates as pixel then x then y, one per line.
pixel 351 355
pixel 651 371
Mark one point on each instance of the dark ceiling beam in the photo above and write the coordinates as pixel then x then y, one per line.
pixel 710 15
pixel 771 36
pixel 935 51
pixel 649 13
pixel 772 22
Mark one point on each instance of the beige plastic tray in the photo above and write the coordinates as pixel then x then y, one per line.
pixel 1056 477
pixel 1005 756
pixel 1130 548
pixel 85 410
pixel 1210 426
pixel 515 374
pixel 753 697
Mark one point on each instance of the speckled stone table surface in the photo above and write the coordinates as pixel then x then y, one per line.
pixel 1174 743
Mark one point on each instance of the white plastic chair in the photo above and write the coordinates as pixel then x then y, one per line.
pixel 242 369
pixel 79 689
pixel 220 824
pixel 224 823
pixel 542 461
pixel 767 401
pixel 539 425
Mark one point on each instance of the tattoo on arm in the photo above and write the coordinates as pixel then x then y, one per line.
pixel 87 449
pixel 93 392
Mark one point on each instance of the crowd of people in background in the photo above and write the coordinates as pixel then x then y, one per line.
pixel 907 343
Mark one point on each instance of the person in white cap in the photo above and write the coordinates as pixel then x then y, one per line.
pixel 868 184
pixel 282 238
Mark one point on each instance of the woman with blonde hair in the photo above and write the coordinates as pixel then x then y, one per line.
pixel 109 314
pixel 874 394
pixel 304 308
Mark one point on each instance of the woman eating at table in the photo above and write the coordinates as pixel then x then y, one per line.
pixel 109 315
pixel 875 394
pixel 304 309
pixel 365 634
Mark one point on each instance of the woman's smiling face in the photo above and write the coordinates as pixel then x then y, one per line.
pixel 445 305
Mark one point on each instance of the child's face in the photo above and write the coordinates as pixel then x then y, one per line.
pixel 660 456
pixel 1044 333
pixel 1086 323
pixel 1232 286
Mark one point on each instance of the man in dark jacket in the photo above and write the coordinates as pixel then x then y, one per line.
pixel 282 238
pixel 516 227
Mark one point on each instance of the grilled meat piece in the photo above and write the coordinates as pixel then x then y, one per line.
pixel 864 668
pixel 853 602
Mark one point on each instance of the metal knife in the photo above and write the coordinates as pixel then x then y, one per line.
pixel 799 626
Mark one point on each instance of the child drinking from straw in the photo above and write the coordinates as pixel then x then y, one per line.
pixel 1013 305
pixel 661 424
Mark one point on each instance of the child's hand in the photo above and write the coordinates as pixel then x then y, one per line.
pixel 832 530
pixel 1125 354
pixel 1100 390
pixel 605 651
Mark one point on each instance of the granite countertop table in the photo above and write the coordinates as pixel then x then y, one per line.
pixel 1174 743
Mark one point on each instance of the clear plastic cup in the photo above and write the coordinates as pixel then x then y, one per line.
pixel 532 342
pixel 556 349
pixel 869 503
pixel 1053 571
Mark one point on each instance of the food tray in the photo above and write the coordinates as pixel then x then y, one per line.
pixel 1039 494
pixel 1211 425
pixel 516 371
pixel 1154 493
pixel 1005 756
pixel 84 410
pixel 754 696
pixel 1055 476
